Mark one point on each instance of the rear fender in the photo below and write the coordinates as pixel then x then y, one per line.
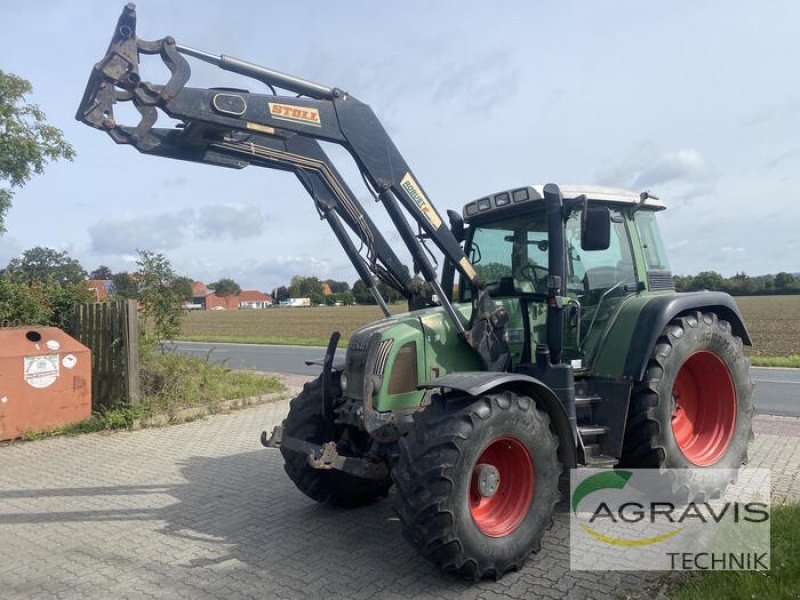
pixel 660 310
pixel 476 383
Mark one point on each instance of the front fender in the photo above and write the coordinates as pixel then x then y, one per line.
pixel 476 383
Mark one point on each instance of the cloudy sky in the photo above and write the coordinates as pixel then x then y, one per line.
pixel 698 102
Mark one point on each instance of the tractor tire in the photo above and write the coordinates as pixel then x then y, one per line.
pixel 306 422
pixel 694 407
pixel 478 521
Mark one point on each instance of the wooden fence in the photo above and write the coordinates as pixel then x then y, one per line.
pixel 111 331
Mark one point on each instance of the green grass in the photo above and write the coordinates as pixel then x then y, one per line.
pixel 169 383
pixel 791 361
pixel 120 418
pixel 781 581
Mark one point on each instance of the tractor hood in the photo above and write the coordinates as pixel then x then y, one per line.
pixel 387 360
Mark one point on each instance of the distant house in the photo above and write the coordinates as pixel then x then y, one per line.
pixel 214 302
pixel 205 299
pixel 253 299
pixel 101 288
pixel 326 289
pixel 199 293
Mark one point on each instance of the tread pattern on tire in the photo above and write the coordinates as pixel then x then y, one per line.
pixel 425 478
pixel 306 422
pixel 644 445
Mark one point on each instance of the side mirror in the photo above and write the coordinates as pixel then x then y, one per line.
pixel 456 225
pixel 596 228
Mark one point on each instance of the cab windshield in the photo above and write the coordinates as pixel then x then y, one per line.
pixel 511 255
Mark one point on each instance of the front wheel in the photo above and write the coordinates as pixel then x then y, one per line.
pixel 306 422
pixel 477 482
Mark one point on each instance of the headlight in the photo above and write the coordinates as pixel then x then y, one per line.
pixel 343 381
pixel 403 377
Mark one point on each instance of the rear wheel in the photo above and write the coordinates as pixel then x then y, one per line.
pixel 306 422
pixel 694 407
pixel 477 482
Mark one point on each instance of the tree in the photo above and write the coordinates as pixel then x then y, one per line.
pixel 27 142
pixel 102 272
pixel 226 288
pixel 39 303
pixel 125 286
pixel 362 294
pixel 305 287
pixel 183 287
pixel 346 298
pixel 280 294
pixel 45 265
pixel 493 271
pixel 389 294
pixel 23 304
pixel 786 283
pixel 63 299
pixel 158 298
pixel 338 287
pixel 707 280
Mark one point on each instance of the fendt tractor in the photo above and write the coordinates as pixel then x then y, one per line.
pixel 553 339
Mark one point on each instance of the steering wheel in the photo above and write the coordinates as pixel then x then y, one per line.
pixel 537 274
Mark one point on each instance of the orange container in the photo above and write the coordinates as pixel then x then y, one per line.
pixel 45 380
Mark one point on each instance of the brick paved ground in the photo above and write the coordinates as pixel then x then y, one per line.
pixel 202 511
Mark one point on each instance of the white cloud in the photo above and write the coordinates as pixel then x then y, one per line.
pixel 220 220
pixel 683 173
pixel 123 234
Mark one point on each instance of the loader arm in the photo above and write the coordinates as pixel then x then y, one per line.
pixel 235 128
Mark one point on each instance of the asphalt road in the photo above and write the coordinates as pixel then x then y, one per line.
pixel 777 390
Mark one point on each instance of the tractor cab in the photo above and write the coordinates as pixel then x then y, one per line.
pixel 611 251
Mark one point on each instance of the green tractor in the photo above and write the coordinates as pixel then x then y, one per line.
pixel 554 337
pixel 611 368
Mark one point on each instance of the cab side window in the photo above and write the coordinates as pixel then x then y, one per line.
pixel 592 271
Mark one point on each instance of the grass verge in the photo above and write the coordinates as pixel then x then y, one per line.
pixel 792 361
pixel 781 581
pixel 171 383
pixel 258 339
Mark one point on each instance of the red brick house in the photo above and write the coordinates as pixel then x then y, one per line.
pixel 205 299
pixel 252 299
pixel 101 288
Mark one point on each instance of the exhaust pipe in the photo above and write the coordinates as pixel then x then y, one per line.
pixel 553 204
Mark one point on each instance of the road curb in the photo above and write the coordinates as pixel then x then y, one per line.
pixel 198 412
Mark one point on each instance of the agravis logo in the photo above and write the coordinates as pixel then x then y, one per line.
pixel 611 480
pixel 634 519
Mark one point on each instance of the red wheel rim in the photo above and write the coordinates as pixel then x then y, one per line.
pixel 499 514
pixel 704 413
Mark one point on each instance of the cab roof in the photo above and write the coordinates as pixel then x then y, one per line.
pixel 517 196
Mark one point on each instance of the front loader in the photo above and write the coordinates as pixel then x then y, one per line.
pixel 555 338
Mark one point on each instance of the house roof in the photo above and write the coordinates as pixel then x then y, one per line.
pixel 199 288
pixel 101 288
pixel 253 296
